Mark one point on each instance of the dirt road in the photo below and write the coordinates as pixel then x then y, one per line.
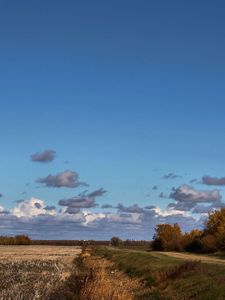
pixel 202 258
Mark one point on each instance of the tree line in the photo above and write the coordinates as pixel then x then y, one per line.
pixel 169 237
pixel 17 240
pixel 211 239
pixel 70 242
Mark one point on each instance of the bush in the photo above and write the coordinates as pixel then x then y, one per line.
pixel 116 241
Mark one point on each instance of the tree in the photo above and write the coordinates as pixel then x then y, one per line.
pixel 215 228
pixel 192 240
pixel 209 244
pixel 22 240
pixel 167 238
pixel 116 241
pixel 18 240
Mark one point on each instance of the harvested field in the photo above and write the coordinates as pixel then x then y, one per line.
pixel 33 272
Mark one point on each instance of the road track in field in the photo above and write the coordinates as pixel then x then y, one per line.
pixel 198 257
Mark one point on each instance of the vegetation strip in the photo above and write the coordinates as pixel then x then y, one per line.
pixel 168 278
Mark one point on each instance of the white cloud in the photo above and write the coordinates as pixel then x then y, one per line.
pixel 169 212
pixel 39 221
pixel 31 208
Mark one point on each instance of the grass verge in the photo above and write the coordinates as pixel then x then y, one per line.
pixel 166 277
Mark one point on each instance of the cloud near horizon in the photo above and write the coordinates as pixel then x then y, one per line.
pixel 78 221
pixel 130 209
pixel 77 217
pixel 105 206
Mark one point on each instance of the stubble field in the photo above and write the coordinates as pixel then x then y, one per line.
pixel 34 272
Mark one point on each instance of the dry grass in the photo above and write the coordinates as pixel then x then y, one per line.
pixel 176 271
pixel 95 278
pixel 105 282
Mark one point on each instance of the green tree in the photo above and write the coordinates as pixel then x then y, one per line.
pixel 116 241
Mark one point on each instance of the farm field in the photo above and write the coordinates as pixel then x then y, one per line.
pixel 107 273
pixel 34 272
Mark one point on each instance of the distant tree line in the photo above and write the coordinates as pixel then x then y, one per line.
pixel 211 239
pixel 115 241
pixel 118 242
pixel 70 242
pixel 17 240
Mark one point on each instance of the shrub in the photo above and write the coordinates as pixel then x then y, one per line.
pixel 116 241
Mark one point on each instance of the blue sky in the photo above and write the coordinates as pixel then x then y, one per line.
pixel 125 93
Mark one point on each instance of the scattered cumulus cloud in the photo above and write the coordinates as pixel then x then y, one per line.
pixel 50 207
pixel 78 202
pixel 105 206
pixel 171 176
pixel 84 200
pixel 168 212
pixel 202 209
pixel 43 157
pixel 186 193
pixel 190 199
pixel 194 180
pixel 30 208
pixel 208 180
pixel 67 179
pixel 162 195
pixel 149 207
pixel 130 209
